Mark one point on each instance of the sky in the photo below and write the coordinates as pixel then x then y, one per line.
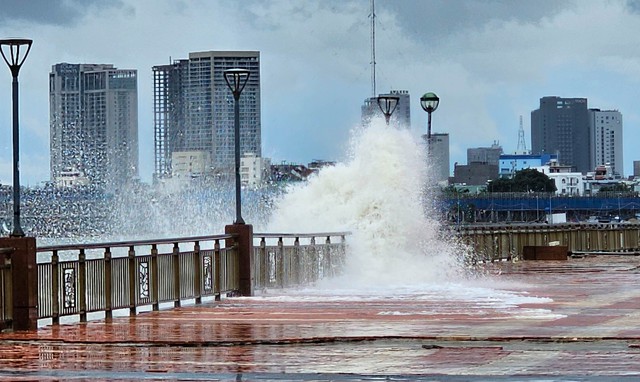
pixel 489 62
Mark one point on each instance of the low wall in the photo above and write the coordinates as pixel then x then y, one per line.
pixel 493 242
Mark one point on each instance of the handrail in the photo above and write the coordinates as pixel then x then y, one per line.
pixel 65 247
pixel 294 235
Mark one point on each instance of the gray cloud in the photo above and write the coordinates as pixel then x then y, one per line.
pixel 51 12
pixel 633 6
pixel 439 18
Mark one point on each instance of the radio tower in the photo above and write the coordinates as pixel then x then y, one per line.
pixel 522 146
pixel 373 47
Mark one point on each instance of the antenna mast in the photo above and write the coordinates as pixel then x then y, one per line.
pixel 522 146
pixel 373 47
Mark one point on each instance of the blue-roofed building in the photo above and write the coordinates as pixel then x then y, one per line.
pixel 509 164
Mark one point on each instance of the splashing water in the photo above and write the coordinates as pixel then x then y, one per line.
pixel 397 248
pixel 378 195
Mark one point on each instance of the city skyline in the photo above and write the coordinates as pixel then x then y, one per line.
pixel 488 61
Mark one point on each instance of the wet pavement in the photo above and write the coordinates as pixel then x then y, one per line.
pixel 568 321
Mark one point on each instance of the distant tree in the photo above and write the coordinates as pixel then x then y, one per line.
pixel 527 180
pixel 618 187
pixel 500 185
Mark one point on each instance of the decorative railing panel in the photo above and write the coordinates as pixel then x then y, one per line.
pixel 284 260
pixel 81 279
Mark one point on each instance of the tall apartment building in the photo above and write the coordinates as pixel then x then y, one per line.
pixel 194 110
pixel 561 126
pixel 606 130
pixel 439 156
pixel 401 116
pixel 94 124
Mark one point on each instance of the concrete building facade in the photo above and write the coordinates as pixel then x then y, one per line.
pixel 93 124
pixel 438 156
pixel 606 130
pixel 194 110
pixel 509 164
pixel 254 170
pixel 561 126
pixel 487 155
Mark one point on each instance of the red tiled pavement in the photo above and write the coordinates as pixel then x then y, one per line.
pixel 588 325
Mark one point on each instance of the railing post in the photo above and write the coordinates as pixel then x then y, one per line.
pixel 82 285
pixel 280 264
pixel 243 237
pixel 297 269
pixel 197 272
pixel 24 276
pixel 108 303
pixel 176 275
pixel 154 282
pixel 133 281
pixel 55 287
pixel 328 258
pixel 313 256
pixel 217 274
pixel 264 264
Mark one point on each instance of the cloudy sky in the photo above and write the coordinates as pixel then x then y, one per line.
pixel 489 61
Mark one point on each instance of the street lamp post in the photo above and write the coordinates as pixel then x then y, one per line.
pixel 387 105
pixel 236 80
pixel 429 102
pixel 12 55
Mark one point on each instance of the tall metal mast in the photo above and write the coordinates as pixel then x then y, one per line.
pixel 372 15
pixel 522 146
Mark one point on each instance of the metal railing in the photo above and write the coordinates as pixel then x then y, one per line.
pixel 6 300
pixel 283 260
pixel 499 242
pixel 75 280
pixel 105 277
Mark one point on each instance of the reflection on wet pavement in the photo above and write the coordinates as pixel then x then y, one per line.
pixel 565 319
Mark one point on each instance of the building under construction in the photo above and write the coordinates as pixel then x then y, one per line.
pixel 193 112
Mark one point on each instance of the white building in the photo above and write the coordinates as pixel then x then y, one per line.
pixel 567 182
pixel 254 170
pixel 191 164
pixel 71 177
pixel 606 130
pixel 438 157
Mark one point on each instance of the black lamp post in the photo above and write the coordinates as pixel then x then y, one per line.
pixel 14 54
pixel 429 102
pixel 387 105
pixel 236 80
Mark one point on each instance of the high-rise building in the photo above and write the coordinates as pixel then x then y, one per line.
pixel 401 116
pixel 438 156
pixel 94 124
pixel 194 110
pixel 606 129
pixel 561 126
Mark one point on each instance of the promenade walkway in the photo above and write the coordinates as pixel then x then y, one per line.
pixel 577 320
